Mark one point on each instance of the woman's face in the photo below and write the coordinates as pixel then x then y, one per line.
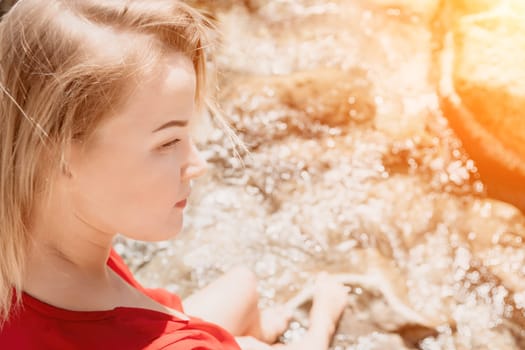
pixel 133 176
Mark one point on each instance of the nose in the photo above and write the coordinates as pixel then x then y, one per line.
pixel 196 166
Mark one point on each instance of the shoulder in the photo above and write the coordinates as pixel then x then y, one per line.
pixel 190 340
pixel 118 265
pixel 196 334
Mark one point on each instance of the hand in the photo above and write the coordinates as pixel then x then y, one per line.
pixel 250 343
pixel 329 301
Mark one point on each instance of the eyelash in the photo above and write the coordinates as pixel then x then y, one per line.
pixel 171 143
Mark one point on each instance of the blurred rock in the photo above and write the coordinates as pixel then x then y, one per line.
pixel 5 5
pixel 424 9
pixel 305 104
pixel 466 7
pixel 327 96
pixel 482 88
pixel 489 74
pixel 469 7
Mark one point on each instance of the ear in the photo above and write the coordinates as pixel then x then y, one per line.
pixel 64 167
pixel 65 161
pixel 73 157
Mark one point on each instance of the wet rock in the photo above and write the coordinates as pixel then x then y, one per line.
pixel 489 75
pixel 424 9
pixel 269 106
pixel 378 341
pixel 469 7
pixel 5 5
pixel 482 90
pixel 328 96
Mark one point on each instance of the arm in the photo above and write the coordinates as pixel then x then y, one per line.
pixel 329 302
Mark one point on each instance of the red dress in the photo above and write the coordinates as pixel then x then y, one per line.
pixel 41 326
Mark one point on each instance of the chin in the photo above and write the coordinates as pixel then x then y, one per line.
pixel 157 235
pixel 163 237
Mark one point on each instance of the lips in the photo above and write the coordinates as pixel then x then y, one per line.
pixel 186 195
pixel 181 204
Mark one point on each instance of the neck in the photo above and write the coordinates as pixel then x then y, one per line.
pixel 65 250
pixel 85 254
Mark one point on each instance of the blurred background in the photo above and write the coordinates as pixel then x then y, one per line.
pixel 385 142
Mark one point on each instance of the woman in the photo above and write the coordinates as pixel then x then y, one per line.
pixel 97 99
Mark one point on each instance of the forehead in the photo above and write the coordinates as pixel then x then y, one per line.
pixel 163 93
pixel 175 76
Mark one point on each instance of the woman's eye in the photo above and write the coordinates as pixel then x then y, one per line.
pixel 171 143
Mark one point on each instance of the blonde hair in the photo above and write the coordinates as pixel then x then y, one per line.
pixel 58 79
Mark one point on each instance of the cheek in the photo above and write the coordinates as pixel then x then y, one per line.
pixel 149 212
pixel 129 195
pixel 162 176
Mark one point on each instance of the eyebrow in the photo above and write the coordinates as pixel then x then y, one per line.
pixel 179 123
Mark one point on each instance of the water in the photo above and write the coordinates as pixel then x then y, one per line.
pixel 352 169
